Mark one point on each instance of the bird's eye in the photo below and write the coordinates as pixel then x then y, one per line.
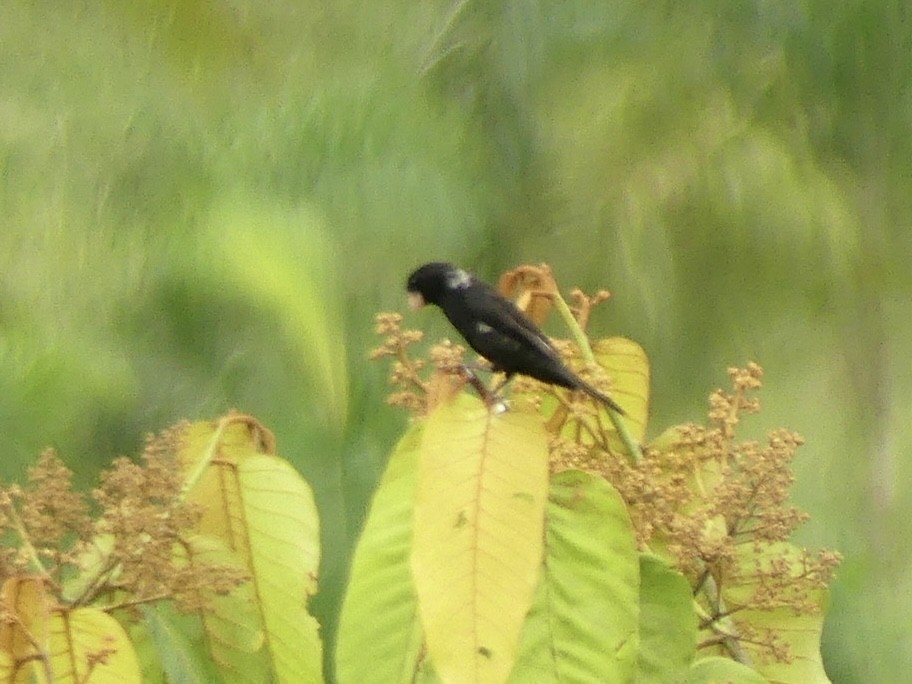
pixel 483 327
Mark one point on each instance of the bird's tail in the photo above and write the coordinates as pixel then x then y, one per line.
pixel 602 397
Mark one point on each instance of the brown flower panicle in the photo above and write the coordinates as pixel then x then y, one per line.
pixel 152 531
pixel 718 509
pixel 412 391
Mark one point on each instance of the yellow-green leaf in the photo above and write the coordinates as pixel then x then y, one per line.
pixel 230 624
pixel 46 643
pixel 800 632
pixel 25 637
pixel 479 522
pixel 627 365
pixel 668 623
pixel 89 646
pixel 261 508
pixel 380 637
pixel 6 667
pixel 715 669
pixel 583 622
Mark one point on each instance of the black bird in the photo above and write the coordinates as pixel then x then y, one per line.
pixel 494 327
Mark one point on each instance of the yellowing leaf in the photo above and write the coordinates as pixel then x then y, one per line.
pixel 261 508
pixel 51 644
pixel 90 646
pixel 627 365
pixel 478 536
pixel 6 667
pixel 25 635
pixel 281 517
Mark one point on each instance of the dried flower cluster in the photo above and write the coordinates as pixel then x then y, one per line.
pixel 152 528
pixel 47 516
pixel 138 549
pixel 413 392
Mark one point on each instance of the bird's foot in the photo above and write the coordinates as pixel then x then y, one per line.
pixel 499 406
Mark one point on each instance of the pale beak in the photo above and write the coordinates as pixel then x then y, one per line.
pixel 415 300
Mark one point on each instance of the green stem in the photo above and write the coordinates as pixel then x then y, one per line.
pixel 30 551
pixel 724 626
pixel 636 454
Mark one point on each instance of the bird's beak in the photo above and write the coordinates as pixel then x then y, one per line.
pixel 415 300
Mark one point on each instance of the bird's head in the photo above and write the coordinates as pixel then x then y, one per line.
pixel 429 283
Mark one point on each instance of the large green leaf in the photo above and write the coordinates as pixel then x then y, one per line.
pixel 668 623
pixel 716 669
pixel 380 637
pixel 177 639
pixel 583 622
pixel 479 519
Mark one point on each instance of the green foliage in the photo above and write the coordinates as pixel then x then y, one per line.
pixel 737 172
pixel 380 636
pixel 179 653
pixel 582 623
pixel 668 624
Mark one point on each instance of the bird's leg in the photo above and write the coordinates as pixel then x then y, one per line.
pixel 489 397
pixel 470 376
pixel 502 384
pixel 476 367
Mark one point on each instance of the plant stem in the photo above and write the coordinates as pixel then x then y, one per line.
pixel 35 563
pixel 582 342
pixel 723 626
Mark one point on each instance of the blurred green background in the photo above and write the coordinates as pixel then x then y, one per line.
pixel 204 202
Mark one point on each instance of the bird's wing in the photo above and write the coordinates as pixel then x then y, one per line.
pixel 502 315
